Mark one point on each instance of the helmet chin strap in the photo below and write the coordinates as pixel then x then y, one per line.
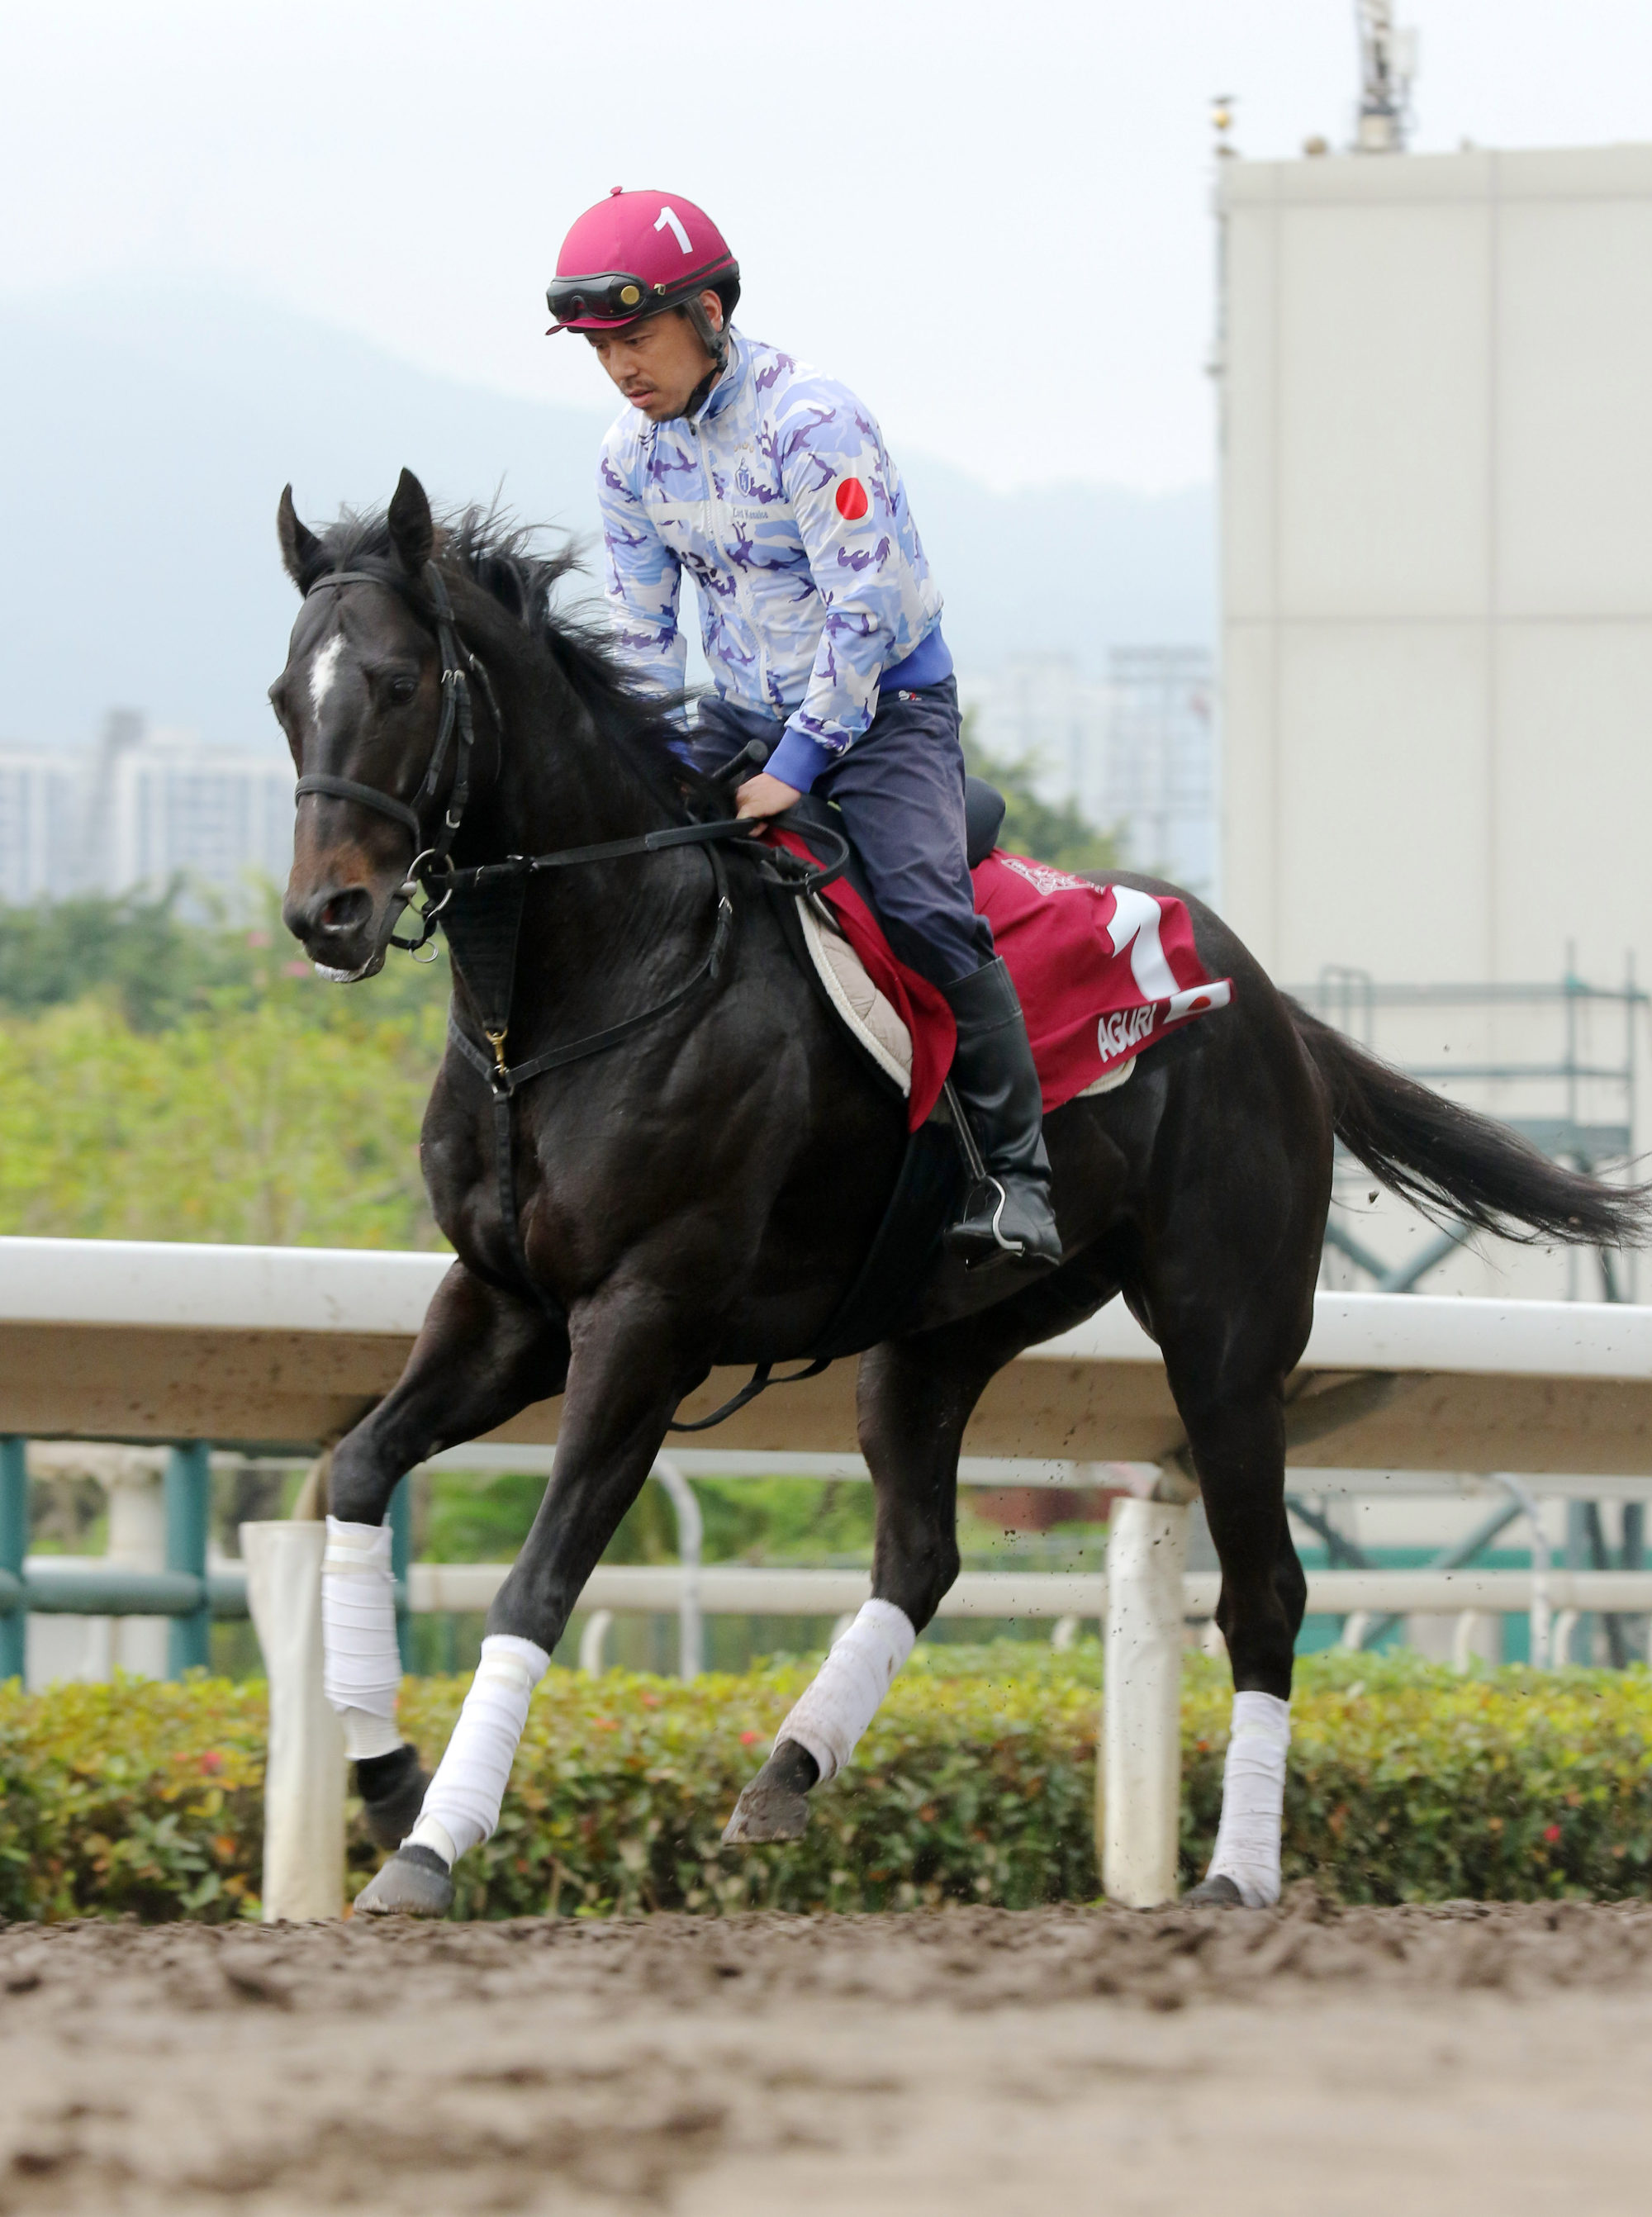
pixel 716 344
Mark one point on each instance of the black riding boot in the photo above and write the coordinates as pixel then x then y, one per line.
pixel 1007 1214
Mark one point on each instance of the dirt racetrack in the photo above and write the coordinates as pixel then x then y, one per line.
pixel 1458 2058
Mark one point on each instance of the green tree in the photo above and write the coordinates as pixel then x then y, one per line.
pixel 146 957
pixel 256 1124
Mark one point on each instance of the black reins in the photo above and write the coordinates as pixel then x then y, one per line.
pixel 500 888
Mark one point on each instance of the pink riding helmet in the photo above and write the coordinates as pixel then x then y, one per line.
pixel 633 255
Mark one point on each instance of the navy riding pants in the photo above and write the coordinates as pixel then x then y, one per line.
pixel 900 787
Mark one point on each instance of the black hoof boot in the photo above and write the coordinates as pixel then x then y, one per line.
pixel 1217 1891
pixel 774 1806
pixel 392 1788
pixel 415 1882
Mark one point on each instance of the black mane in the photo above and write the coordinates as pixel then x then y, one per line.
pixel 508 561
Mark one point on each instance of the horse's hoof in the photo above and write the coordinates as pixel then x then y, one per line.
pixel 415 1882
pixel 767 1811
pixel 1217 1891
pixel 392 1789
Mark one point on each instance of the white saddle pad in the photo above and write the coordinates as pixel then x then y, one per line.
pixel 869 1014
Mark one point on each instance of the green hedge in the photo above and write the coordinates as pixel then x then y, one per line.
pixel 133 1797
pixel 975 1783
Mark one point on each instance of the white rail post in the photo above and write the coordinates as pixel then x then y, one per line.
pixel 690 1534
pixel 1539 1620
pixel 132 1488
pixel 592 1642
pixel 1139 1780
pixel 304 1771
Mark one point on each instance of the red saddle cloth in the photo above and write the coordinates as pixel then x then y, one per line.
pixel 1102 971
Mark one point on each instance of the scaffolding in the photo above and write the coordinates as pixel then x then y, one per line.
pixel 1587 1121
pixel 1577 1076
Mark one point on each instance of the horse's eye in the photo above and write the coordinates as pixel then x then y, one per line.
pixel 402 689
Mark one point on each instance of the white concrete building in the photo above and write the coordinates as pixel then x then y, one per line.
pixel 1437 561
pixel 40 825
pixel 1437 580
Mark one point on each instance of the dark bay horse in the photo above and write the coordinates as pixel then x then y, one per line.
pixel 703 1192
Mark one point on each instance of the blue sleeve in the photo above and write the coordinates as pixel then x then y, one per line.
pixel 866 563
pixel 642 578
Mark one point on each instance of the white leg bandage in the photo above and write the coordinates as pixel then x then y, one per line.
pixel 850 1683
pixel 1253 1799
pixel 362 1667
pixel 462 1807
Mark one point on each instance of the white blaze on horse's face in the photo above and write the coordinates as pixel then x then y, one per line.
pixel 324 668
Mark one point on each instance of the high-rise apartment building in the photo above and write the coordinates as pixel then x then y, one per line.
pixel 1158 786
pixel 1136 750
pixel 1040 709
pixel 40 825
pixel 138 811
pixel 216 816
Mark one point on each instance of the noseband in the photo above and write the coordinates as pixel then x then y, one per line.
pixel 458 666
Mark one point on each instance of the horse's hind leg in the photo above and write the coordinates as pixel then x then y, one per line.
pixel 480 1356
pixel 1237 1441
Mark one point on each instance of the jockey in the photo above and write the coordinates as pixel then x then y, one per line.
pixel 771 485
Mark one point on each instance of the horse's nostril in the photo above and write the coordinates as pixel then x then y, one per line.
pixel 346 910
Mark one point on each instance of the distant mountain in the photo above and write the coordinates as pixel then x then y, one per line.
pixel 147 438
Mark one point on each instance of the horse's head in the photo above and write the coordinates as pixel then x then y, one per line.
pixel 361 701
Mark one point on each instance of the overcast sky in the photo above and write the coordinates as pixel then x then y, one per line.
pixel 993 221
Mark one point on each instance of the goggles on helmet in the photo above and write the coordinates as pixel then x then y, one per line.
pixel 616 296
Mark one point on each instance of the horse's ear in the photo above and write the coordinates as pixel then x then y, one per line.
pixel 412 531
pixel 299 545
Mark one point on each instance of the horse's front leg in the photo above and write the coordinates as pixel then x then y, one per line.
pixel 635 1355
pixel 480 1356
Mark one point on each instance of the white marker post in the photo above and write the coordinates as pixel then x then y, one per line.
pixel 1138 1780
pixel 303 1770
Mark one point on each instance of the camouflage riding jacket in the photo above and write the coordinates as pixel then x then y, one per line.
pixel 782 502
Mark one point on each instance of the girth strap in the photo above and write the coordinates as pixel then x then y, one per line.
pixel 759 1382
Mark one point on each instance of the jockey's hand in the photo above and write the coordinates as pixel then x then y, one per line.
pixel 764 795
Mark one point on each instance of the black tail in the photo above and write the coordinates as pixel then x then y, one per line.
pixel 1453 1164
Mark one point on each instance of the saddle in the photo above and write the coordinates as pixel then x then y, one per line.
pixel 1103 972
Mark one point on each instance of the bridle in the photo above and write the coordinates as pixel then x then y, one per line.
pixel 458 667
